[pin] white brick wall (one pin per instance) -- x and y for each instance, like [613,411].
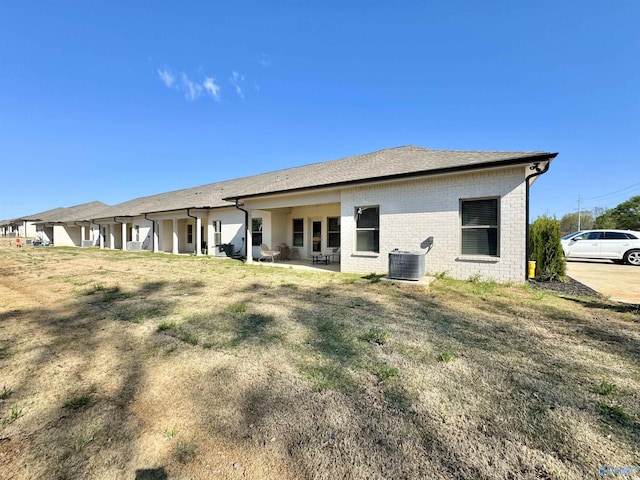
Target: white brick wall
[414,210]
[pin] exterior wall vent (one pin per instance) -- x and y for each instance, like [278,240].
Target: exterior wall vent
[406,265]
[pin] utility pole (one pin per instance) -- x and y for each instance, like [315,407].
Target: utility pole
[579,207]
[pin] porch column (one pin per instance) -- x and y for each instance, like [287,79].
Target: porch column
[154,237]
[198,237]
[112,238]
[211,248]
[123,228]
[100,238]
[249,240]
[174,247]
[82,234]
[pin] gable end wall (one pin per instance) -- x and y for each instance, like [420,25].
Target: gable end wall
[412,211]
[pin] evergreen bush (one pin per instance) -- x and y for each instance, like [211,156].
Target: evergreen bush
[546,250]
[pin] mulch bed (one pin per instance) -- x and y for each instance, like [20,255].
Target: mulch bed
[570,287]
[575,288]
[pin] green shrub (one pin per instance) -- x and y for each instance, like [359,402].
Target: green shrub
[546,250]
[448,356]
[77,402]
[376,335]
[605,388]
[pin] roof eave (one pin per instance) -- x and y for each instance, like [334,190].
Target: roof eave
[422,173]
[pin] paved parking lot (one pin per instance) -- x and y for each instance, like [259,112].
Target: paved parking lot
[620,282]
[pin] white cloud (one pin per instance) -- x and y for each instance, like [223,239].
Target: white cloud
[265,60]
[191,89]
[211,88]
[235,80]
[167,77]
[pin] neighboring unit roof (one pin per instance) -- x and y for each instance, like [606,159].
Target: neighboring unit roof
[77,213]
[39,216]
[382,165]
[204,196]
[30,218]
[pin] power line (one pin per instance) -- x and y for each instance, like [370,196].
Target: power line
[612,193]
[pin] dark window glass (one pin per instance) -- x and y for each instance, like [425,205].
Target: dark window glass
[189,233]
[479,227]
[333,232]
[298,232]
[256,231]
[368,229]
[615,236]
[368,241]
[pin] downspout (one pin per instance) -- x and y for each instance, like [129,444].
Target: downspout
[538,171]
[246,226]
[195,234]
[153,230]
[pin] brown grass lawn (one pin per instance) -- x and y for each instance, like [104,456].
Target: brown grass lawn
[133,365]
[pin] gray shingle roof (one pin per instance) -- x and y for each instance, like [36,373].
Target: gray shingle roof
[381,165]
[77,213]
[31,218]
[384,164]
[204,196]
[45,214]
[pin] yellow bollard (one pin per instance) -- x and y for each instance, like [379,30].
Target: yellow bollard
[532,268]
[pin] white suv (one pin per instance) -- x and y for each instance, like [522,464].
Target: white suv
[617,245]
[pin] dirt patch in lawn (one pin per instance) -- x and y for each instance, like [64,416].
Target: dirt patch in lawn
[119,364]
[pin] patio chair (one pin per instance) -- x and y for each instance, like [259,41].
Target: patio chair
[335,256]
[266,253]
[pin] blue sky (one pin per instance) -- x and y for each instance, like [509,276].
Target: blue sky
[113,100]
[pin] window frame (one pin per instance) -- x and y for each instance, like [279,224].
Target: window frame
[300,233]
[217,232]
[255,234]
[331,234]
[375,230]
[190,233]
[487,227]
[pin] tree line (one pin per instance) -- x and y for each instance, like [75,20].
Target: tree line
[626,216]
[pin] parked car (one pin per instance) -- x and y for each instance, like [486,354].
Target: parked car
[616,245]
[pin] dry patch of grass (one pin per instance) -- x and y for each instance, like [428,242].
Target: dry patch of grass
[120,364]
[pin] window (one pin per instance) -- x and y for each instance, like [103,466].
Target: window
[137,227]
[189,233]
[256,231]
[615,236]
[591,236]
[333,232]
[367,229]
[479,227]
[217,233]
[298,232]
